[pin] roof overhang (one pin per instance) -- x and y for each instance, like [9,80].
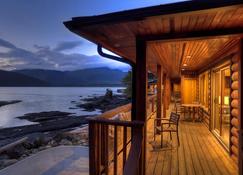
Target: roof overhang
[169,27]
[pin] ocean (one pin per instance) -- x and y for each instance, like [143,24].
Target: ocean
[40,99]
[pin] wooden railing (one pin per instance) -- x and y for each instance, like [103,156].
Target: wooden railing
[115,146]
[109,156]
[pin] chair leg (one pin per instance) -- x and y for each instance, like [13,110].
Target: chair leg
[170,136]
[178,140]
[154,134]
[161,137]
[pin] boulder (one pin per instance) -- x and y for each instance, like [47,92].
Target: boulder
[65,142]
[16,152]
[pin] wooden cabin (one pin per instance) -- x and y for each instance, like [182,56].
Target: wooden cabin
[195,49]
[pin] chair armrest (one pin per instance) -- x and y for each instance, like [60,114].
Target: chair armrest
[161,119]
[168,123]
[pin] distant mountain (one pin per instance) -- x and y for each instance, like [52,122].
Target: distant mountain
[16,79]
[84,77]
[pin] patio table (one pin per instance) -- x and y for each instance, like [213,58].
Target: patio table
[194,107]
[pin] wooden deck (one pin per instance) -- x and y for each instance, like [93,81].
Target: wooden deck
[199,153]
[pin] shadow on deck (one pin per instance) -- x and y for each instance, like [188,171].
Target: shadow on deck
[199,153]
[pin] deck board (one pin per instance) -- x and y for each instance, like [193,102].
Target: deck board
[198,154]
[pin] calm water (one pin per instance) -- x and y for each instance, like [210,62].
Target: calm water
[39,99]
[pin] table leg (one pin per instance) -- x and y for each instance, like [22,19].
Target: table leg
[194,114]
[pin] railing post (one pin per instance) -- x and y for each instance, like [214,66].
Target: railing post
[159,93]
[92,151]
[152,101]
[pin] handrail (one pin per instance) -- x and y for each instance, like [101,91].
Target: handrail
[113,112]
[122,141]
[99,135]
[134,123]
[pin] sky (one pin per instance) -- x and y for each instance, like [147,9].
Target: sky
[32,34]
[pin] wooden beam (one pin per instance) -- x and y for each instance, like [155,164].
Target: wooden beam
[194,35]
[159,93]
[139,99]
[241,107]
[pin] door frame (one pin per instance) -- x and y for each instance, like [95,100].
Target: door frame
[220,67]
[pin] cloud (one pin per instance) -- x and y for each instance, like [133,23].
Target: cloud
[67,45]
[6,44]
[43,57]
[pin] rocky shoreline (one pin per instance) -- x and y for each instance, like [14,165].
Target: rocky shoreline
[52,128]
[103,103]
[4,103]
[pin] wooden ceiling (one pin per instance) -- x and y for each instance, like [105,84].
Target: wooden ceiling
[191,55]
[119,36]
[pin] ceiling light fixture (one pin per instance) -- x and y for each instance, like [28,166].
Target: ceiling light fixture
[188,56]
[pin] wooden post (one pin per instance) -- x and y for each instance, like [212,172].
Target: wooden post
[164,96]
[159,93]
[139,96]
[140,90]
[240,107]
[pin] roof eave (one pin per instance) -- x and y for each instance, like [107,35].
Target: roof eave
[141,13]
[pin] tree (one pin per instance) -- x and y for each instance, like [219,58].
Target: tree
[127,81]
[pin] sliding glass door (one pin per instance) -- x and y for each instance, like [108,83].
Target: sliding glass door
[221,102]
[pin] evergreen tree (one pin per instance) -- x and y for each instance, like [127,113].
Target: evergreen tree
[127,81]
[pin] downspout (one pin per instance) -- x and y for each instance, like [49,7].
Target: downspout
[116,58]
[133,65]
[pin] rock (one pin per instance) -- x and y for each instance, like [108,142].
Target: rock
[65,142]
[35,140]
[58,137]
[48,146]
[109,93]
[44,116]
[34,151]
[104,103]
[41,148]
[24,155]
[72,108]
[15,152]
[52,143]
[7,162]
[4,156]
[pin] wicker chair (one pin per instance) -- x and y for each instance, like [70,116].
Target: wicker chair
[167,125]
